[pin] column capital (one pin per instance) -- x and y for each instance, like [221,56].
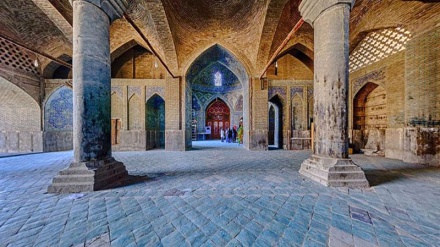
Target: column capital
[311,9]
[113,8]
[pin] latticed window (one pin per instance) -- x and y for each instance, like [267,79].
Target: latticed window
[378,45]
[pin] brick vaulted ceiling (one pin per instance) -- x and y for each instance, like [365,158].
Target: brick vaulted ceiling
[180,30]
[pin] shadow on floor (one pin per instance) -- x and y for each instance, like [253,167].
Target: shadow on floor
[379,177]
[133,180]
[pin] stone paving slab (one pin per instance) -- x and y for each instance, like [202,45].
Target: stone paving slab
[219,196]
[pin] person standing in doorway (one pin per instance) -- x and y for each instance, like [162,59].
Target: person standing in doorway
[240,135]
[222,134]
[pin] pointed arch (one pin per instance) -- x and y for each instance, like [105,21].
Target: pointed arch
[276,119]
[370,101]
[155,121]
[116,106]
[199,77]
[297,112]
[54,70]
[13,100]
[134,112]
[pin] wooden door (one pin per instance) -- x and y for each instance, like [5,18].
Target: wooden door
[217,114]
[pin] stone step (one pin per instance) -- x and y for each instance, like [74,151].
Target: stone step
[361,183]
[346,175]
[70,187]
[345,168]
[74,178]
[76,171]
[341,175]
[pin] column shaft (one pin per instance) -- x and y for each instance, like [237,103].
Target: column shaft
[91,83]
[330,164]
[92,168]
[331,82]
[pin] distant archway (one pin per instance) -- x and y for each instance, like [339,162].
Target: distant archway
[217,74]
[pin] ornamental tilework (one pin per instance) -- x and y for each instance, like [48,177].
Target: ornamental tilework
[309,93]
[195,103]
[134,90]
[277,90]
[58,111]
[239,105]
[374,75]
[150,91]
[298,90]
[117,90]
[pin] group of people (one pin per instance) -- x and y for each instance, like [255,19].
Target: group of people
[232,134]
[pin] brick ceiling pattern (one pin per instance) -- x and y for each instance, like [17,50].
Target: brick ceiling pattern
[16,57]
[181,30]
[379,45]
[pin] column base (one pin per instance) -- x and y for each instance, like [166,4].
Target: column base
[89,176]
[334,172]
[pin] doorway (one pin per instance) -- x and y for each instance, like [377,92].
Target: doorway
[217,117]
[275,133]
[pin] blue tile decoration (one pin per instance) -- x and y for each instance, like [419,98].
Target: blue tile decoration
[155,113]
[216,59]
[281,91]
[376,75]
[195,103]
[58,111]
[150,91]
[294,90]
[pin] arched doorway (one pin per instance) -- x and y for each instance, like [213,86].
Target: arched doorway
[275,139]
[155,122]
[216,74]
[217,117]
[370,118]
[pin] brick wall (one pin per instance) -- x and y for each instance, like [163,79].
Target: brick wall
[174,114]
[258,132]
[388,73]
[129,99]
[290,67]
[20,120]
[297,99]
[411,81]
[422,77]
[389,76]
[138,63]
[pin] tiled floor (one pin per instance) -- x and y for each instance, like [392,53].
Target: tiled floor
[219,195]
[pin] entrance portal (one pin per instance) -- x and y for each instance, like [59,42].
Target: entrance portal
[217,117]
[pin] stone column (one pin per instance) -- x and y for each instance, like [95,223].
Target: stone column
[330,164]
[93,167]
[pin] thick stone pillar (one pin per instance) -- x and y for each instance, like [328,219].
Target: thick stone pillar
[330,164]
[93,167]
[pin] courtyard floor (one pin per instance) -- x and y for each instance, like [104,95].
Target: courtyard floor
[219,195]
